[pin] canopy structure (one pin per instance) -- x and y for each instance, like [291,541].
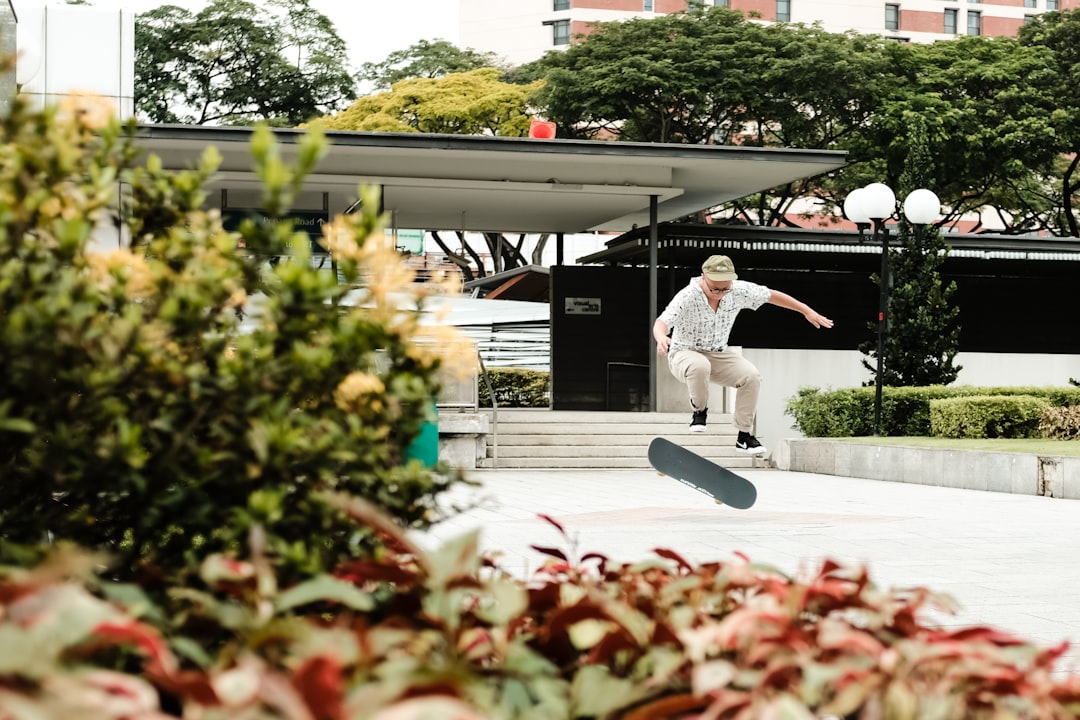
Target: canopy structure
[500,184]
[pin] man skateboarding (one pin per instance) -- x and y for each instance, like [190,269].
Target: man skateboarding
[693,331]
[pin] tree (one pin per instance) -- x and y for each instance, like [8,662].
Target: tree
[469,103]
[715,77]
[988,128]
[426,59]
[923,333]
[235,63]
[666,79]
[504,254]
[1059,33]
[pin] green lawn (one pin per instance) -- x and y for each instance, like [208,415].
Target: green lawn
[1035,447]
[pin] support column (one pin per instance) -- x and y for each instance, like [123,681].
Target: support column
[654,234]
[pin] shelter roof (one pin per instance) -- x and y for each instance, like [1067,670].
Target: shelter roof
[502,184]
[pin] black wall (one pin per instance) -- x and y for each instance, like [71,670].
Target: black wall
[601,361]
[589,353]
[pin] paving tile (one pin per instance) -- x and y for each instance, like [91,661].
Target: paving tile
[1008,560]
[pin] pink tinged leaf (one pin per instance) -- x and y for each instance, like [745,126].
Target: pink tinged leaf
[674,557]
[979,634]
[553,552]
[320,682]
[161,661]
[430,706]
[105,693]
[552,521]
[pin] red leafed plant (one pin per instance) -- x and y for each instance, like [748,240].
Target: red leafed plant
[412,634]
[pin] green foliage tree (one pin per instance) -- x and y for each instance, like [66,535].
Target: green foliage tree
[1059,33]
[469,103]
[715,76]
[712,76]
[426,59]
[235,63]
[138,416]
[923,331]
[666,79]
[988,129]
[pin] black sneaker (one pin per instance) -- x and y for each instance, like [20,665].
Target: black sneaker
[697,422]
[749,445]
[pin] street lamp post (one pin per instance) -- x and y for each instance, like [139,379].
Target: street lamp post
[874,204]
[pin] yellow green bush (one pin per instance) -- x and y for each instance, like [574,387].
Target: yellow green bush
[138,414]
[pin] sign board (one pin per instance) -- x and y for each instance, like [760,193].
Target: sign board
[582,306]
[410,241]
[307,222]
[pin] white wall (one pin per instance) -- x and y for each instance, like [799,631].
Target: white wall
[512,29]
[77,48]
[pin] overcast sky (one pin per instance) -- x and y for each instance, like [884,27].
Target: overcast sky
[372,28]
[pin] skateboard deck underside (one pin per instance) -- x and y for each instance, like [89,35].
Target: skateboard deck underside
[701,474]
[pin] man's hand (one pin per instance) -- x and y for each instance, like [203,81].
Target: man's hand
[817,319]
[661,334]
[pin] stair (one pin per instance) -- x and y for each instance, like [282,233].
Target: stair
[540,438]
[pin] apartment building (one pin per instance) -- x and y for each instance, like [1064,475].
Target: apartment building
[523,30]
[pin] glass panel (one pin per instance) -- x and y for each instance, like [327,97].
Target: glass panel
[974,22]
[561,32]
[892,17]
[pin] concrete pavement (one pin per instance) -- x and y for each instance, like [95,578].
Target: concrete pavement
[1011,561]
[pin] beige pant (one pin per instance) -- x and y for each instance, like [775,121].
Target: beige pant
[698,368]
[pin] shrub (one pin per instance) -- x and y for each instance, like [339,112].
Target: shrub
[905,411]
[442,633]
[1015,416]
[137,415]
[517,387]
[835,413]
[1060,423]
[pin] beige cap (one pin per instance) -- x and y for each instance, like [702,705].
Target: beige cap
[719,268]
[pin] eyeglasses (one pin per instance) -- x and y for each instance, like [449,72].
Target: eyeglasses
[718,290]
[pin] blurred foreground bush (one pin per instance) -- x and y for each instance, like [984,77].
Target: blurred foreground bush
[414,634]
[138,414]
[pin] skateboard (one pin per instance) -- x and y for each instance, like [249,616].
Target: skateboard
[703,475]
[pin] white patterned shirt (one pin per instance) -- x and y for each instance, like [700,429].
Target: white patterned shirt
[693,323]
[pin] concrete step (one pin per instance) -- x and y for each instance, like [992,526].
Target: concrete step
[716,438]
[608,429]
[619,462]
[540,438]
[713,452]
[541,416]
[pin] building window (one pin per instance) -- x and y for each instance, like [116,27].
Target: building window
[1029,19]
[783,10]
[560,32]
[1029,3]
[562,4]
[722,3]
[892,17]
[1051,4]
[950,21]
[646,5]
[974,22]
